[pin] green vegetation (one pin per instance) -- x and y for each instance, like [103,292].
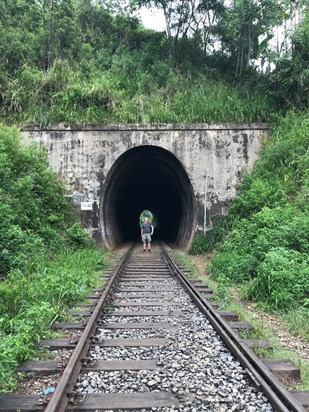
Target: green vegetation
[32,301]
[64,94]
[204,244]
[77,61]
[36,219]
[262,330]
[88,61]
[265,243]
[47,260]
[296,322]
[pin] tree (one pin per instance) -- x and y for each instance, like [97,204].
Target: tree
[244,24]
[58,33]
[289,81]
[207,18]
[185,19]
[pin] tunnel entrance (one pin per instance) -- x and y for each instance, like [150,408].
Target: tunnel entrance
[147,177]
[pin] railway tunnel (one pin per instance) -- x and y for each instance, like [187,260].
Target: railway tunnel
[147,177]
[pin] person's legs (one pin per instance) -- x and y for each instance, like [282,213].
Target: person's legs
[144,243]
[149,243]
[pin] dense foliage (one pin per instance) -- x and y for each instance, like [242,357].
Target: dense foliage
[30,301]
[78,61]
[266,239]
[36,218]
[289,82]
[38,280]
[89,61]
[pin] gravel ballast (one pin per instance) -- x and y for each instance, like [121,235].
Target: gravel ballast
[195,365]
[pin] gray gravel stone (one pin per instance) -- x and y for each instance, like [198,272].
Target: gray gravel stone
[195,366]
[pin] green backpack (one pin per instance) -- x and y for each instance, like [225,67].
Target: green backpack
[145,213]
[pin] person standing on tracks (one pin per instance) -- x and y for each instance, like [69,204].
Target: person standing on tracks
[146,233]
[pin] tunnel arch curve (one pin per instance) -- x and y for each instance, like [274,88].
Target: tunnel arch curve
[147,177]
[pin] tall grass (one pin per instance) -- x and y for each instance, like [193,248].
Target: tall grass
[64,94]
[204,244]
[42,266]
[31,302]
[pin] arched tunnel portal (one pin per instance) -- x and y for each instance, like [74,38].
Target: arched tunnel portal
[147,177]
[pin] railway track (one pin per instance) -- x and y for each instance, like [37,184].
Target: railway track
[153,342]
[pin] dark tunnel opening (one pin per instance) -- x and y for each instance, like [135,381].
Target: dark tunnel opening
[147,177]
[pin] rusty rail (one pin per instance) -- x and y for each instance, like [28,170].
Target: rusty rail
[63,395]
[262,378]
[64,398]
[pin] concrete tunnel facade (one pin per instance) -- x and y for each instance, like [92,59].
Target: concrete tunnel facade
[186,174]
[147,177]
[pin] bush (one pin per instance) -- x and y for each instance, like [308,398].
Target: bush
[282,280]
[126,91]
[203,244]
[31,302]
[78,236]
[267,243]
[249,242]
[34,211]
[256,193]
[236,267]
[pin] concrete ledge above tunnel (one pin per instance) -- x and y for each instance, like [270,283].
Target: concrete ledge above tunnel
[147,177]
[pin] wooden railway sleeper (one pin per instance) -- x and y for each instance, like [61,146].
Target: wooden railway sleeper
[254,380]
[76,398]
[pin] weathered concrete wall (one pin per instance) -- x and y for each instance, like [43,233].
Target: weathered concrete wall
[213,156]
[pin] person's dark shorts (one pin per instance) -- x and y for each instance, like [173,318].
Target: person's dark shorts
[146,237]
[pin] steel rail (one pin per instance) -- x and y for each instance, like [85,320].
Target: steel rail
[276,393]
[61,396]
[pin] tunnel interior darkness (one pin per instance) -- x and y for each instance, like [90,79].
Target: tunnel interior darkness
[147,177]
